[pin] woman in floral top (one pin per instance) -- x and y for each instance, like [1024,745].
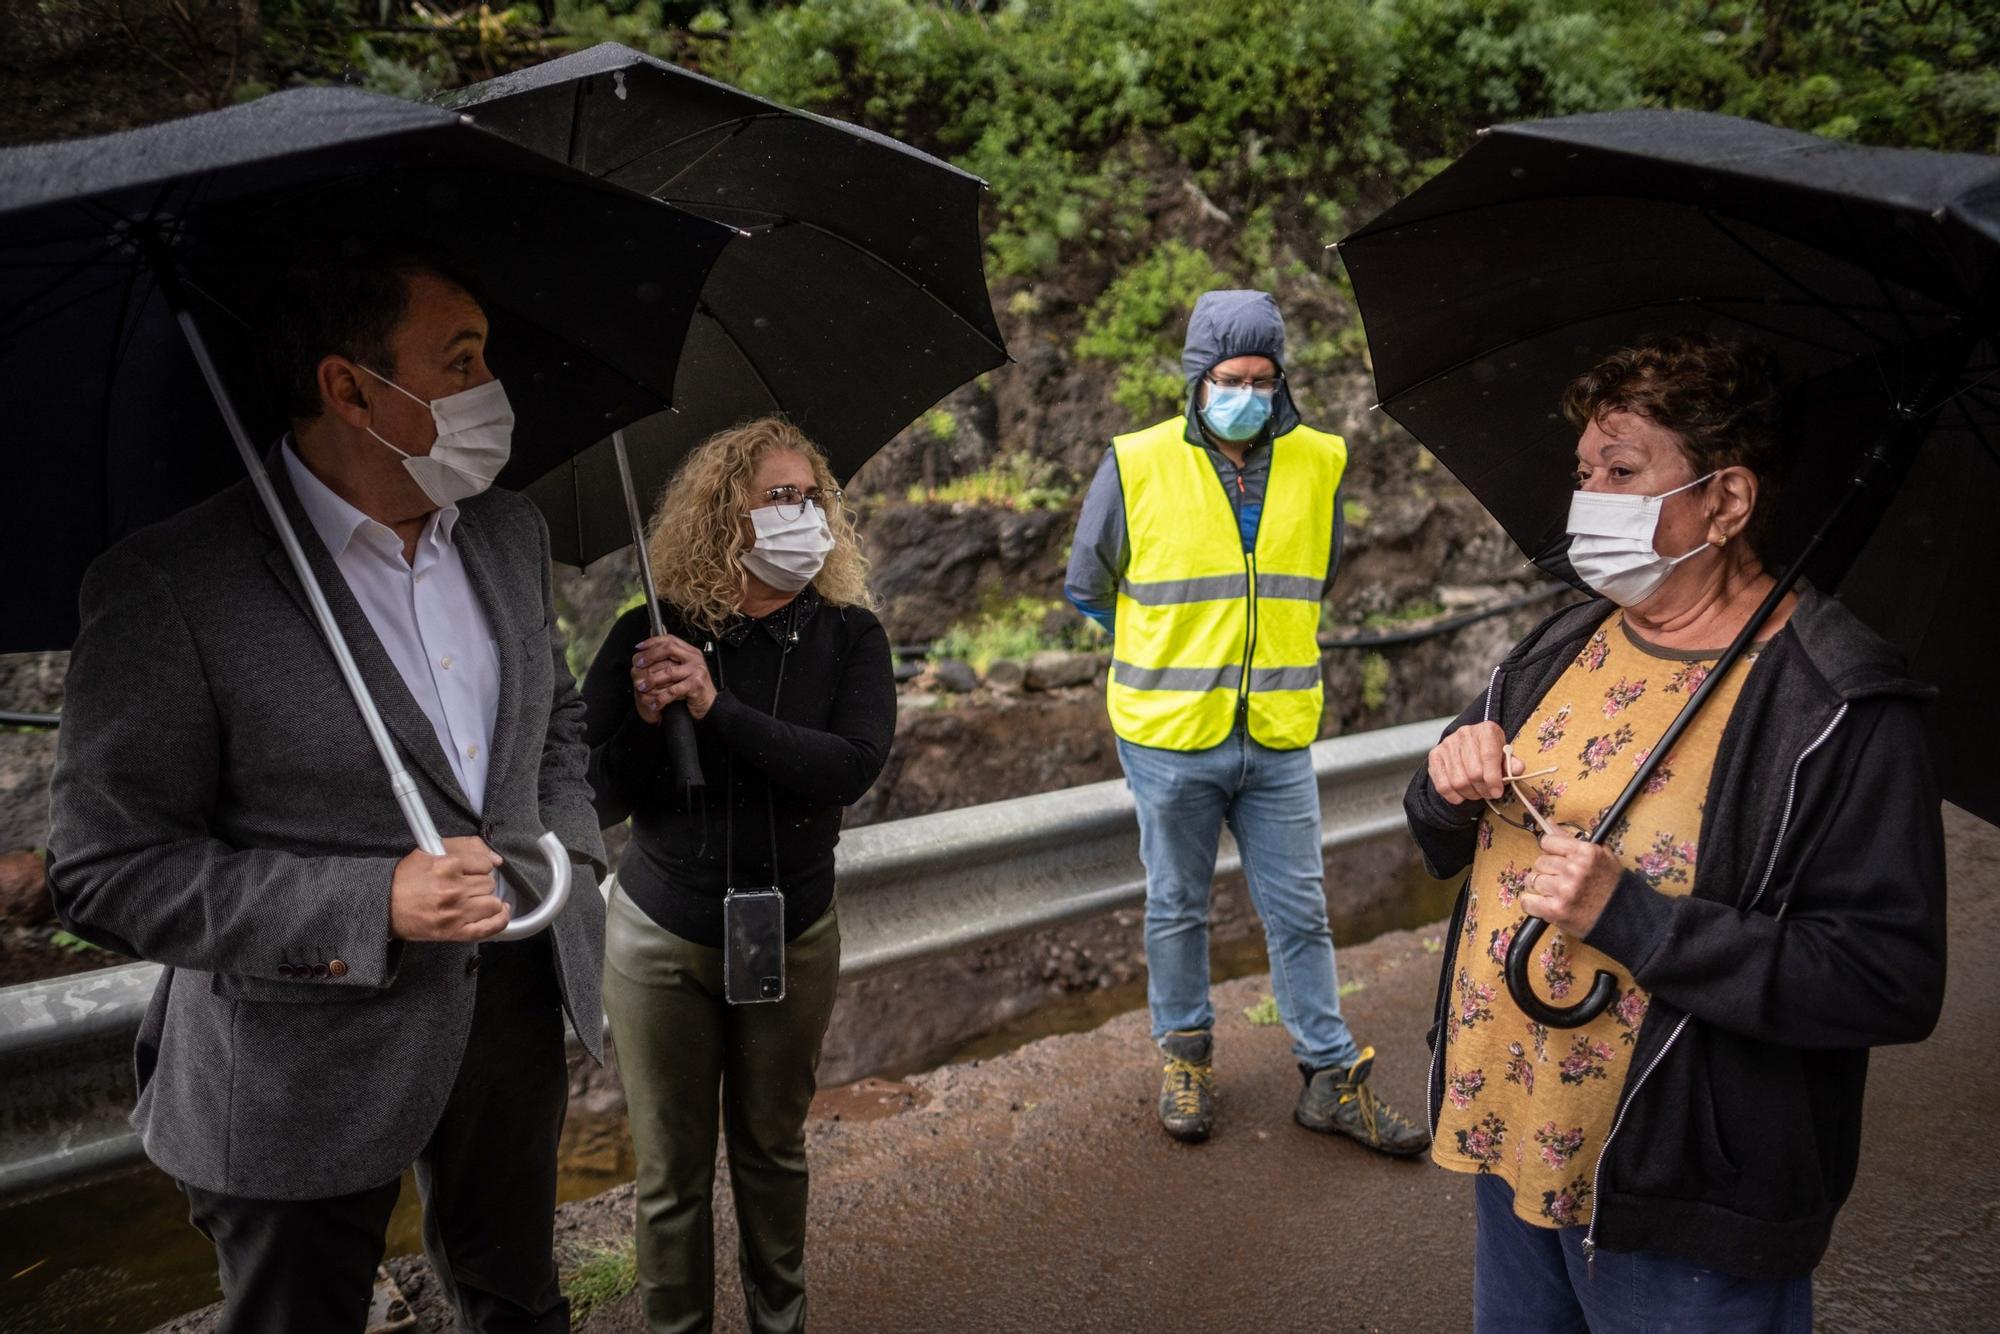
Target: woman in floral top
[1769,907]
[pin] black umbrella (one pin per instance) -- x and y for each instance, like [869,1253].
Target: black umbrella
[1872,274]
[131,269]
[859,302]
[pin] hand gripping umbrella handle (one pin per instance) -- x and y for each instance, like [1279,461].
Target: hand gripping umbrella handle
[683,759]
[1603,989]
[553,898]
[551,901]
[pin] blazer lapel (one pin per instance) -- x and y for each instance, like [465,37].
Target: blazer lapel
[471,539]
[406,720]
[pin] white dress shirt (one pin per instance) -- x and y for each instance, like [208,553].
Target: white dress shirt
[425,613]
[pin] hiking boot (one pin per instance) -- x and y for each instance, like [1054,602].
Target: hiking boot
[1339,1102]
[1187,1086]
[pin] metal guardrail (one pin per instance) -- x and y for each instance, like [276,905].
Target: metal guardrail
[909,890]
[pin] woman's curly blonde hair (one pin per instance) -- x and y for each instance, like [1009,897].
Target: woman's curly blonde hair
[697,537]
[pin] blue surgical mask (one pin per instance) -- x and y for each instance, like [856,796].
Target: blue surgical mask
[1236,413]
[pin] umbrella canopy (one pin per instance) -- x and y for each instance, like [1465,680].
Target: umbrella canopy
[859,301]
[1873,275]
[588,288]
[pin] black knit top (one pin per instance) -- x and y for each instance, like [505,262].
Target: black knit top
[821,753]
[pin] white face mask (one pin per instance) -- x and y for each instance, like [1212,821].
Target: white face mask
[1611,543]
[475,438]
[788,553]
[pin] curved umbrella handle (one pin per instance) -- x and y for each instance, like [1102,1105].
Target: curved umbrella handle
[553,898]
[1603,990]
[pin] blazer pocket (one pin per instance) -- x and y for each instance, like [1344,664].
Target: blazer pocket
[313,991]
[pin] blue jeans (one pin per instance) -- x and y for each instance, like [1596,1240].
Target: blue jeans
[1271,801]
[1533,1280]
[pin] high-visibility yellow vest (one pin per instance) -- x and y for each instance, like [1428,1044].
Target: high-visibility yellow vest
[1206,631]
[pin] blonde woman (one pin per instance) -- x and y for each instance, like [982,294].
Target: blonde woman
[773,649]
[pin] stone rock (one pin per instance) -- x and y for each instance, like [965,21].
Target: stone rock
[24,890]
[1055,669]
[955,676]
[1006,674]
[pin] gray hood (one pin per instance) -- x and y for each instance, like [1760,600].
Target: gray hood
[1236,324]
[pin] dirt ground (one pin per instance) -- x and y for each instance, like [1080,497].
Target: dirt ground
[1033,1192]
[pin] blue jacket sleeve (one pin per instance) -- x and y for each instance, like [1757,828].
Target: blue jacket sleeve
[1098,555]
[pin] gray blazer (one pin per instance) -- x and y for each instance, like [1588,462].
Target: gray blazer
[217,807]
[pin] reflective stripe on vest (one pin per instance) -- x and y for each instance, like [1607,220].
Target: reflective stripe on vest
[1194,611]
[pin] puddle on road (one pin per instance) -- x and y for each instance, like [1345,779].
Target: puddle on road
[118,1256]
[867,1100]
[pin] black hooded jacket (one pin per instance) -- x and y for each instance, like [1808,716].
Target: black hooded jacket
[1814,930]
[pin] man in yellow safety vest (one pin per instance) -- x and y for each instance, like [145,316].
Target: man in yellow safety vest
[1205,545]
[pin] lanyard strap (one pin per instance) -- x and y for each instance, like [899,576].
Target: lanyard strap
[729,765]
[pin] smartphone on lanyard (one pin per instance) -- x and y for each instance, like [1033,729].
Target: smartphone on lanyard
[753,920]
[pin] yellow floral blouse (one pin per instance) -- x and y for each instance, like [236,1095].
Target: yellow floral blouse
[1530,1104]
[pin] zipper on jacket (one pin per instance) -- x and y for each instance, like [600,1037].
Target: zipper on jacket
[1249,639]
[1770,866]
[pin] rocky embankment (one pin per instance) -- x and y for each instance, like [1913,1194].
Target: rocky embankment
[1017,725]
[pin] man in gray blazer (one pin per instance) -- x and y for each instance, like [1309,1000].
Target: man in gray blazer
[329,1015]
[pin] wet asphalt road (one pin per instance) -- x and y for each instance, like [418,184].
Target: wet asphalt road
[1035,1193]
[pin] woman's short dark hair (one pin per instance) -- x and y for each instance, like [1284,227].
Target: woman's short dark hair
[346,304]
[1720,399]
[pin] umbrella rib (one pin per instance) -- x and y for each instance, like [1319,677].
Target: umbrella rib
[937,300]
[1978,433]
[68,273]
[1909,334]
[576,499]
[732,127]
[122,335]
[1543,332]
[697,205]
[744,352]
[1784,333]
[707,153]
[15,330]
[1715,220]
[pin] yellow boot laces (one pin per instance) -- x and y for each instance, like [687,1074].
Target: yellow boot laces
[1186,1083]
[1373,1112]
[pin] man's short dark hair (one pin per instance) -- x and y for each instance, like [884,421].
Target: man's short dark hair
[347,304]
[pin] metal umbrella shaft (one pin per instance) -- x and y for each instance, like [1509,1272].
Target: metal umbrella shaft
[1877,467]
[422,828]
[682,756]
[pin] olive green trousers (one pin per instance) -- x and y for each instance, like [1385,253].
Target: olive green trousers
[679,1044]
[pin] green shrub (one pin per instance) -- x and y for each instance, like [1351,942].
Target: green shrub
[1419,609]
[1017,628]
[941,425]
[1374,682]
[1015,482]
[1138,325]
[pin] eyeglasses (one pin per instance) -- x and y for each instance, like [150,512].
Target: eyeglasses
[1263,386]
[1532,821]
[791,502]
